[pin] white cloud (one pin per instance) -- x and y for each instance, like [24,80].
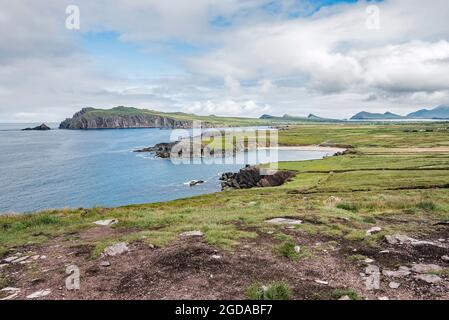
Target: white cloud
[327,63]
[228,108]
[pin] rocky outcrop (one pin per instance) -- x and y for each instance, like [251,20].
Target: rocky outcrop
[251,177]
[161,150]
[42,127]
[90,118]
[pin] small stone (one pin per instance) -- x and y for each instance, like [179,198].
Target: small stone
[445,258]
[35,257]
[252,203]
[19,260]
[11,258]
[383,298]
[105,223]
[394,285]
[442,240]
[285,221]
[10,289]
[297,249]
[116,249]
[216,257]
[425,268]
[2,265]
[345,298]
[43,257]
[429,278]
[195,233]
[322,282]
[368,261]
[384,251]
[373,230]
[39,294]
[105,264]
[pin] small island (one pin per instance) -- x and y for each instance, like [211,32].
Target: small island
[42,127]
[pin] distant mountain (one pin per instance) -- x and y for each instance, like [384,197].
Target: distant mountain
[441,112]
[290,118]
[376,116]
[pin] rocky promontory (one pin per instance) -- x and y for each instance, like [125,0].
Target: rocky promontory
[252,177]
[123,117]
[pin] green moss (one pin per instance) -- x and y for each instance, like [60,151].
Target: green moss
[339,293]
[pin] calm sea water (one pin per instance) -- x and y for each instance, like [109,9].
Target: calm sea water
[76,168]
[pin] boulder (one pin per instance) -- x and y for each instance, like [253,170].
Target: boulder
[105,223]
[116,249]
[426,268]
[195,233]
[39,294]
[429,278]
[288,221]
[373,230]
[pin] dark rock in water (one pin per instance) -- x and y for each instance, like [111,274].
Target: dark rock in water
[161,150]
[195,182]
[250,177]
[42,127]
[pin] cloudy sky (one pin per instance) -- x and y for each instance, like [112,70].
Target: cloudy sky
[225,57]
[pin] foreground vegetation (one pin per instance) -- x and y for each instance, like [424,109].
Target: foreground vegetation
[395,177]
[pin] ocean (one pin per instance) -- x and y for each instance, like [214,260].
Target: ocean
[87,168]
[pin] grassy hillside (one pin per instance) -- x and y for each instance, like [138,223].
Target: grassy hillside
[219,121]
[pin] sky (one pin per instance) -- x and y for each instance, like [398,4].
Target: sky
[332,58]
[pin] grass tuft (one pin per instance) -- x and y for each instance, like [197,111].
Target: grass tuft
[274,291]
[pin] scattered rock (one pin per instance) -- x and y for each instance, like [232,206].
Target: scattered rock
[394,285]
[105,264]
[426,268]
[401,272]
[402,239]
[373,230]
[105,223]
[445,258]
[429,278]
[116,249]
[322,282]
[39,294]
[195,233]
[289,221]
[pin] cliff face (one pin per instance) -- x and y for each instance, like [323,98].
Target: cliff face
[87,118]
